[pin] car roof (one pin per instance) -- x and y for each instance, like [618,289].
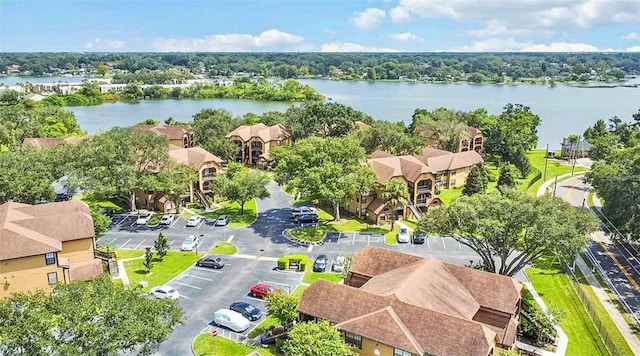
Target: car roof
[240,304]
[222,216]
[261,285]
[166,288]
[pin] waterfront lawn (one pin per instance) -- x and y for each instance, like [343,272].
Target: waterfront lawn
[224,248]
[554,287]
[174,263]
[233,211]
[555,167]
[205,345]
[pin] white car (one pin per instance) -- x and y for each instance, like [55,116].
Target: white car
[143,219]
[167,219]
[194,220]
[165,292]
[403,235]
[338,264]
[190,243]
[232,320]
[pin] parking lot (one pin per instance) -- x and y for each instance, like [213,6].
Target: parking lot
[126,234]
[204,290]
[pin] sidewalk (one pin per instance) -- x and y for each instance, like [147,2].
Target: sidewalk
[613,312]
[563,340]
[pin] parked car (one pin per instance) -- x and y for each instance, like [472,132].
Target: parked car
[143,219]
[211,262]
[222,220]
[107,211]
[231,320]
[403,235]
[167,219]
[165,292]
[306,219]
[43,201]
[417,239]
[194,220]
[320,265]
[190,243]
[247,310]
[338,264]
[62,197]
[261,290]
[303,210]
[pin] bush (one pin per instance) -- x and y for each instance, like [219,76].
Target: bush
[303,266]
[282,264]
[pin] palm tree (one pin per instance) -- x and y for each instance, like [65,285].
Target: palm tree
[573,153]
[395,194]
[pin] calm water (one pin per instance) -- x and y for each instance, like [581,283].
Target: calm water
[564,110]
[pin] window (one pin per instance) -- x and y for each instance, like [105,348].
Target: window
[400,352]
[364,199]
[352,339]
[53,277]
[453,172]
[50,258]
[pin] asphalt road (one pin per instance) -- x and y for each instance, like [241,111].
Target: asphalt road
[620,261]
[259,245]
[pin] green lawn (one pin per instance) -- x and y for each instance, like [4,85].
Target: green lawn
[204,344]
[90,199]
[310,234]
[124,254]
[224,248]
[261,328]
[155,220]
[555,289]
[391,237]
[555,168]
[311,277]
[174,263]
[345,225]
[299,290]
[410,223]
[238,218]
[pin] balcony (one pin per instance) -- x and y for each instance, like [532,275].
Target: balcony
[423,189]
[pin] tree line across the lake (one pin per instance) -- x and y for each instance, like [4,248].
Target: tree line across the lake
[169,68]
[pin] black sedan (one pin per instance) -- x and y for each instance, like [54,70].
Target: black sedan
[418,239]
[211,262]
[247,310]
[320,265]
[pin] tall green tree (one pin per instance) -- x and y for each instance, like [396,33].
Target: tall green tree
[320,169]
[27,174]
[174,179]
[324,119]
[86,318]
[101,222]
[365,182]
[512,228]
[388,137]
[445,126]
[113,164]
[283,307]
[506,177]
[148,259]
[477,180]
[161,245]
[210,127]
[242,185]
[395,195]
[315,339]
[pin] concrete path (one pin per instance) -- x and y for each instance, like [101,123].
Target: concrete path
[548,185]
[563,340]
[613,312]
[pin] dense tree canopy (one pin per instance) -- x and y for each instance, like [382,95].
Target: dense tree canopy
[240,184]
[27,174]
[512,228]
[388,137]
[210,127]
[324,119]
[315,339]
[97,318]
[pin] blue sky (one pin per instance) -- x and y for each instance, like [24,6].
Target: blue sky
[321,25]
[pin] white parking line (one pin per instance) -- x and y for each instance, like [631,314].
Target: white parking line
[368,239]
[125,243]
[133,223]
[338,240]
[353,241]
[184,296]
[198,277]
[186,285]
[254,298]
[230,238]
[207,329]
[428,245]
[141,242]
[174,222]
[112,241]
[211,269]
[199,225]
[443,245]
[459,244]
[310,248]
[171,242]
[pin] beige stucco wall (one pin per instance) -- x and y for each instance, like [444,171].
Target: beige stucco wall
[26,274]
[78,250]
[368,347]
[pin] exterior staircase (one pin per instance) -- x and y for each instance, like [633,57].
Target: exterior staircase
[416,212]
[203,199]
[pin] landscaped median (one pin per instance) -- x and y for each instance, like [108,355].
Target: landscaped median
[224,248]
[174,263]
[233,210]
[206,345]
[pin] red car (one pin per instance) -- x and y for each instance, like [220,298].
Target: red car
[261,290]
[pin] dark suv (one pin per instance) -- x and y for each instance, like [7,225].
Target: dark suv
[417,239]
[320,265]
[306,219]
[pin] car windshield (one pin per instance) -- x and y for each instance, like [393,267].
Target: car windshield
[249,308]
[171,291]
[188,241]
[403,231]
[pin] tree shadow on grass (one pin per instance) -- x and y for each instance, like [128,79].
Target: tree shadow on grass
[141,271]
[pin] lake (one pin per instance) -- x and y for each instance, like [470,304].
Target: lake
[564,110]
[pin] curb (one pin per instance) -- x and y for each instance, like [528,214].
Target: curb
[287,235]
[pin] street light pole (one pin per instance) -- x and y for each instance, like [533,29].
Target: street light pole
[546,160]
[555,185]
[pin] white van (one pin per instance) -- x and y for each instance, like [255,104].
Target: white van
[232,320]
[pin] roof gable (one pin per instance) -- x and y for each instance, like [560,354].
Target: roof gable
[261,131]
[193,157]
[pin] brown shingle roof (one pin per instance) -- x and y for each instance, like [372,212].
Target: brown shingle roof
[193,157]
[405,166]
[440,160]
[29,230]
[41,142]
[260,130]
[392,322]
[173,132]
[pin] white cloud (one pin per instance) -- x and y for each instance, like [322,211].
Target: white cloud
[352,47]
[406,36]
[368,19]
[527,14]
[633,49]
[511,45]
[99,43]
[399,14]
[267,40]
[633,36]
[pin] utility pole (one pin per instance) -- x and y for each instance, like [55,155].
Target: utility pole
[555,185]
[546,160]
